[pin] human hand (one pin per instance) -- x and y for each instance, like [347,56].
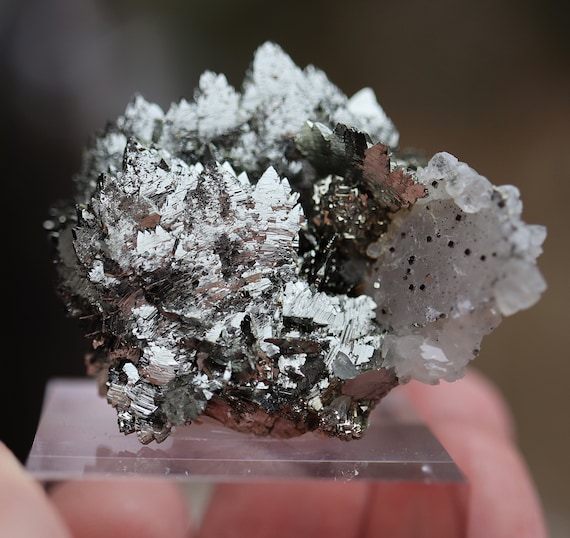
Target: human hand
[471,421]
[468,417]
[89,509]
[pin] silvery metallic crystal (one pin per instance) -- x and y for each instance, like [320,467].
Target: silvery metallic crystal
[268,257]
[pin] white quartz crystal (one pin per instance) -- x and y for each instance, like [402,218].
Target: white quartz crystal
[449,267]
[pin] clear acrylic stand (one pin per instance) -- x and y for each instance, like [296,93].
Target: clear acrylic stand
[78,438]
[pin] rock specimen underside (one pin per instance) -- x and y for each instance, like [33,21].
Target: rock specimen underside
[268,257]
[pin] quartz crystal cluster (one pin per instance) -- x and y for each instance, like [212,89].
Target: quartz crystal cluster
[269,258]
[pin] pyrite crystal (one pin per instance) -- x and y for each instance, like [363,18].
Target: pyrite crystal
[270,259]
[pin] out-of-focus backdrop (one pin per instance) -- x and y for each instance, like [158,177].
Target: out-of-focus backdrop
[488,81]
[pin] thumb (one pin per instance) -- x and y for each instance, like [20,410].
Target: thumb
[21,496]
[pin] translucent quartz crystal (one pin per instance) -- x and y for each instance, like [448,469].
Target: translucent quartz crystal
[449,267]
[268,258]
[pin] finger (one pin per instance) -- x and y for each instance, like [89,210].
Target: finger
[503,500]
[115,509]
[279,510]
[473,399]
[24,508]
[415,509]
[474,425]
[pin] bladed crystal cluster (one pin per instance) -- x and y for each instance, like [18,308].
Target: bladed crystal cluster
[269,258]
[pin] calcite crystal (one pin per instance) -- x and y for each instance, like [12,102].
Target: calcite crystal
[268,257]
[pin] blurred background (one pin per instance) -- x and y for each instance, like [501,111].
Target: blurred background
[488,81]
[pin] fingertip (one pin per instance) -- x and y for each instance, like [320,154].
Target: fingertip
[503,499]
[474,424]
[114,509]
[21,496]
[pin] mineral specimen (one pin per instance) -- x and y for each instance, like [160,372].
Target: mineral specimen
[271,259]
